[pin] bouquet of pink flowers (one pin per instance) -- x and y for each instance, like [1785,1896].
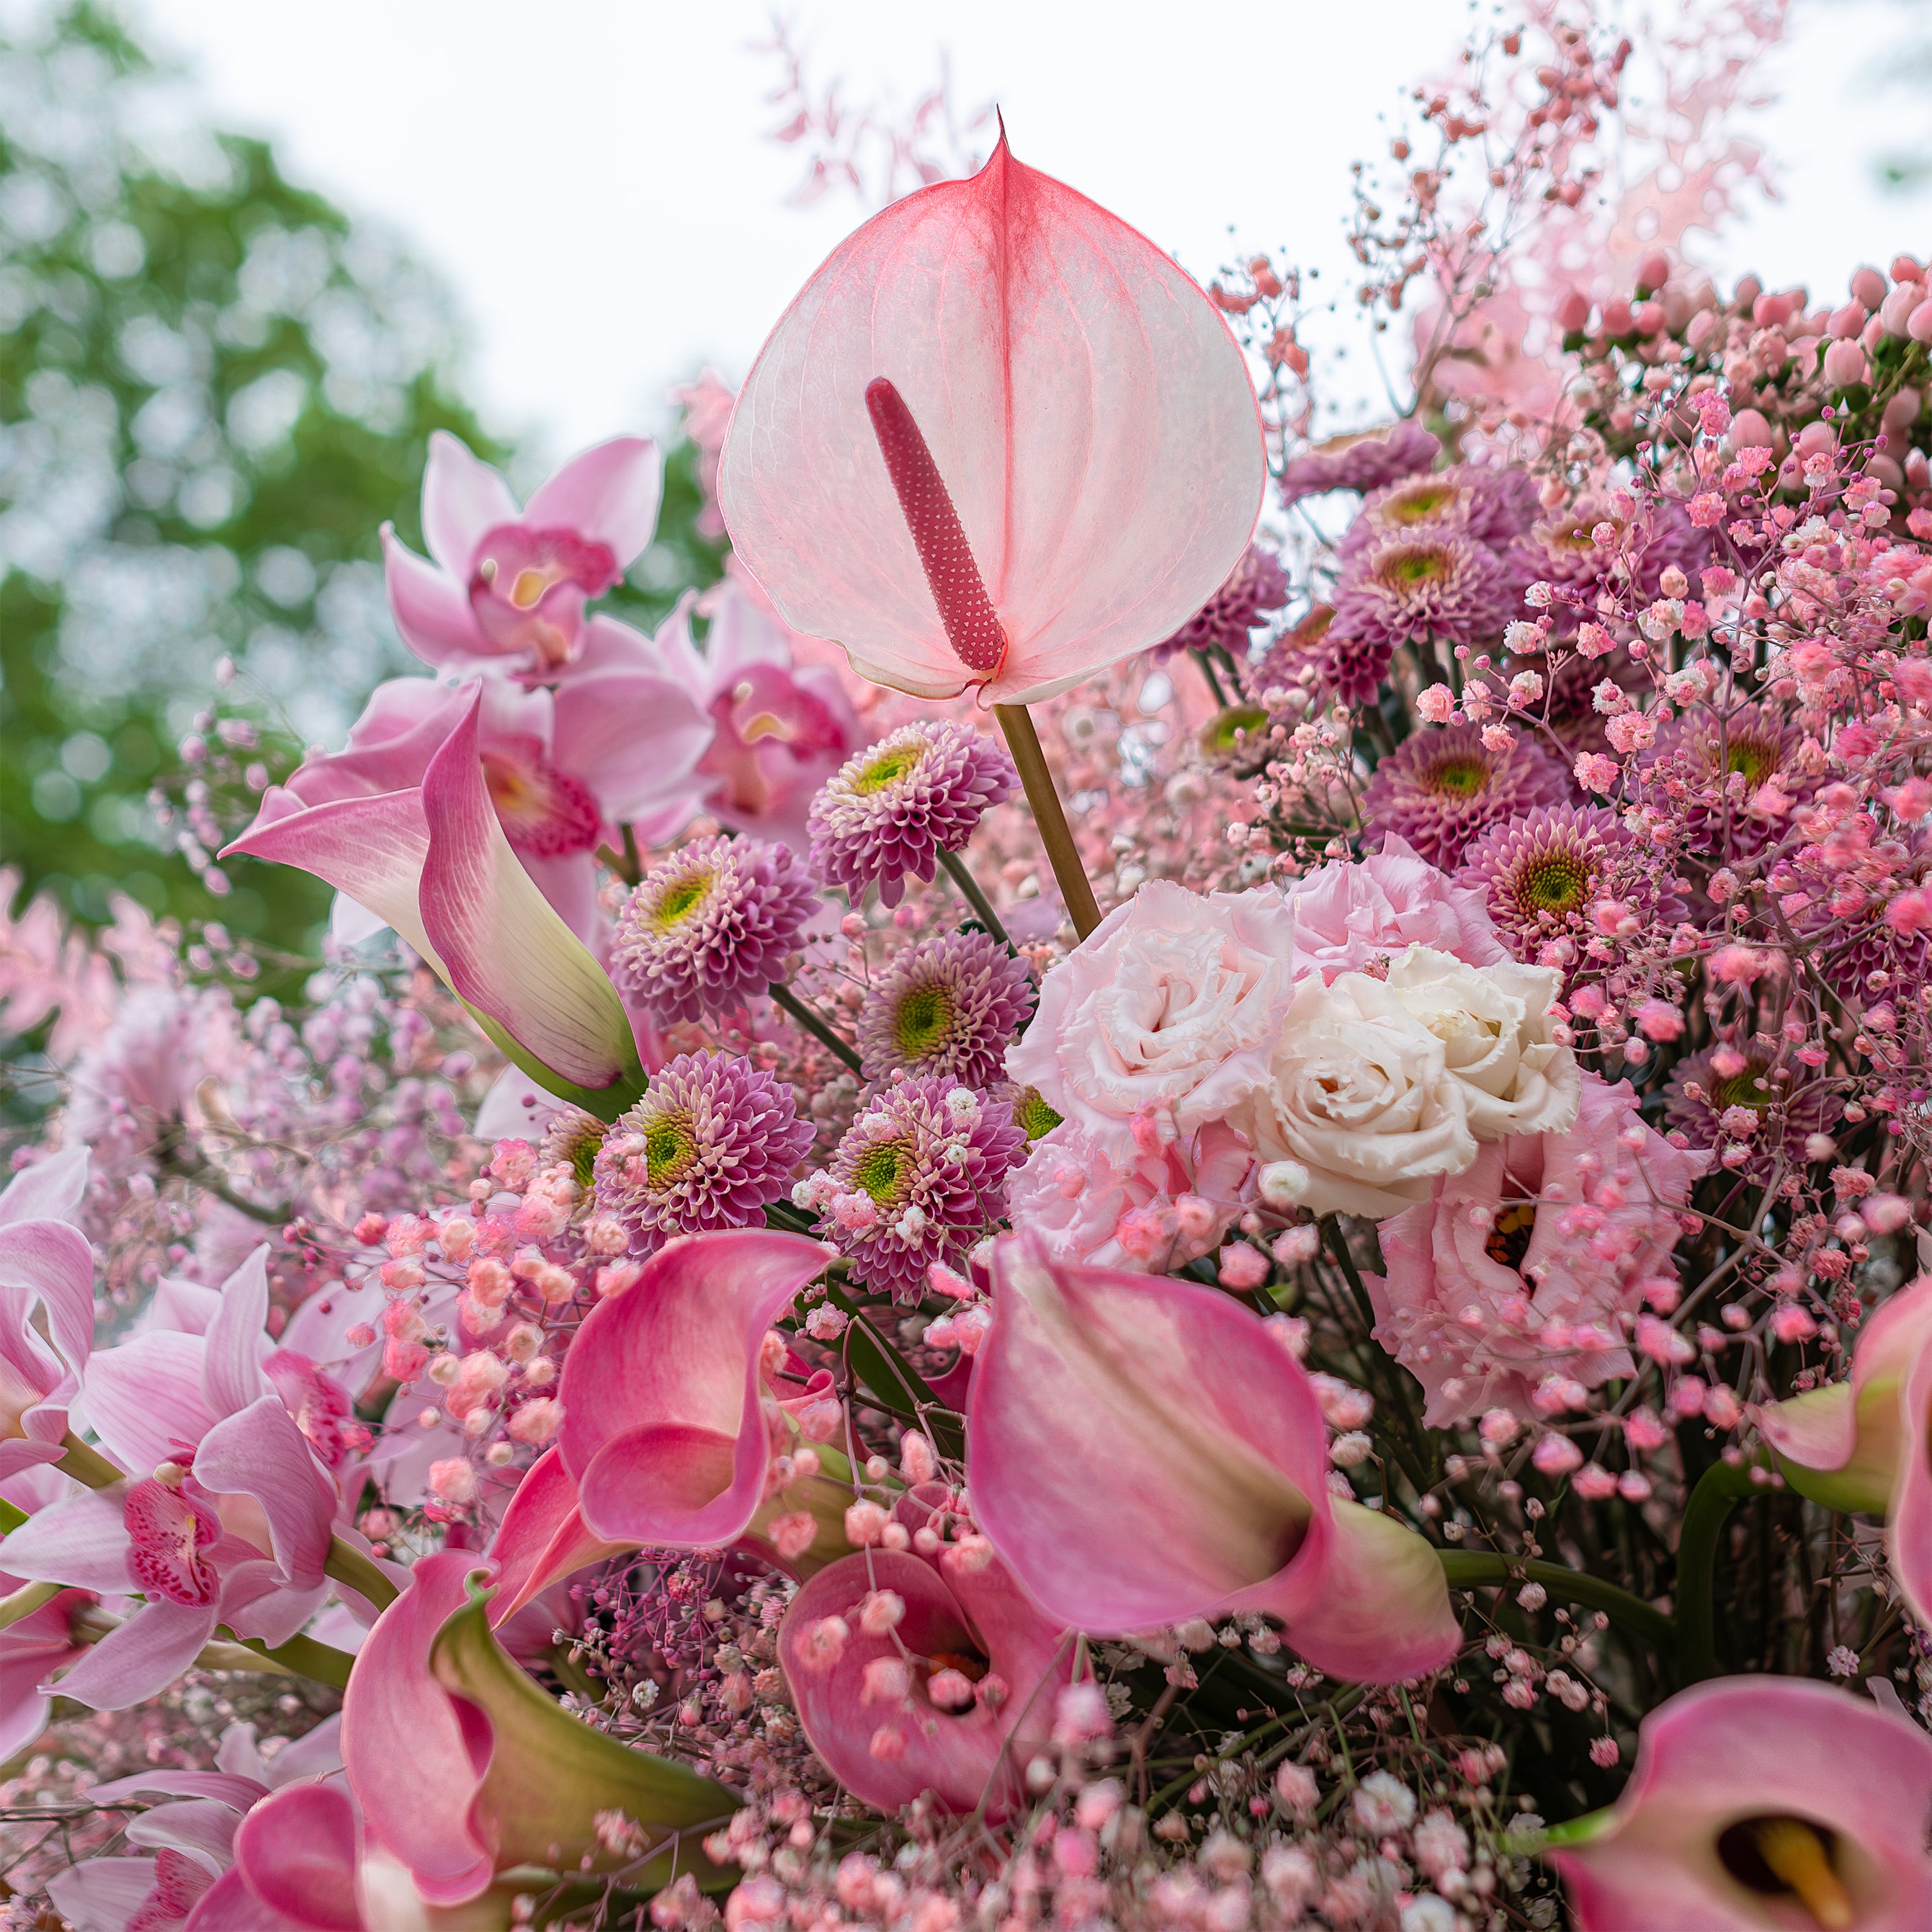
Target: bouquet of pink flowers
[1174,1178]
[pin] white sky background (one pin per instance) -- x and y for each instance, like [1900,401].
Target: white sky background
[593,177]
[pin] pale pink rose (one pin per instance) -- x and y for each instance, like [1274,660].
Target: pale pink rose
[1155,1213]
[1514,1275]
[1152,1006]
[1347,915]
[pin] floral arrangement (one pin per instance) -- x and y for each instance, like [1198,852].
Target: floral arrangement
[1221,1226]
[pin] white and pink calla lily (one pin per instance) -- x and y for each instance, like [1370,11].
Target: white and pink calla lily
[431,860]
[999,440]
[1141,1450]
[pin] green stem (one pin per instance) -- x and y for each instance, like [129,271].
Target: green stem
[88,1465]
[1480,1569]
[26,1600]
[1338,1246]
[1049,817]
[322,1662]
[784,998]
[1213,681]
[969,889]
[347,1565]
[1721,1487]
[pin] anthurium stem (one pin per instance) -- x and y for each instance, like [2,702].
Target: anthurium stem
[1719,1489]
[1050,816]
[969,890]
[1478,1569]
[786,1001]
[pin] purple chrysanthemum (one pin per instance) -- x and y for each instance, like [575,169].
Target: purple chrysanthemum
[571,1140]
[1840,915]
[1541,874]
[1439,789]
[1445,586]
[1748,1105]
[1350,670]
[889,811]
[719,919]
[711,1144]
[920,1176]
[1564,551]
[949,1006]
[1367,460]
[1494,507]
[1707,770]
[1256,586]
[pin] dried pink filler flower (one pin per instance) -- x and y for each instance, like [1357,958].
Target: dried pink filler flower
[948,1006]
[711,1144]
[921,1174]
[1434,587]
[1440,789]
[1257,586]
[1732,780]
[718,922]
[1749,1104]
[887,812]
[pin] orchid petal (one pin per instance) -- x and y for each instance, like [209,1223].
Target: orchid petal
[236,1340]
[1086,409]
[297,1852]
[82,1541]
[50,1190]
[101,1894]
[142,1657]
[663,1427]
[608,495]
[634,738]
[144,1399]
[259,1452]
[505,951]
[431,608]
[198,1825]
[463,499]
[227,1788]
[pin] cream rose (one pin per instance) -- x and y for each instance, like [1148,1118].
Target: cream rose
[1496,1033]
[1359,1092]
[1146,1015]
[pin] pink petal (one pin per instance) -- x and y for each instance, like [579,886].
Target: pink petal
[410,1763]
[198,1825]
[463,499]
[102,1894]
[635,739]
[237,1340]
[664,1424]
[609,495]
[144,1399]
[1909,1522]
[297,1853]
[390,746]
[259,1452]
[50,1190]
[1088,412]
[567,881]
[431,608]
[142,1658]
[542,1538]
[238,1793]
[81,1540]
[47,1272]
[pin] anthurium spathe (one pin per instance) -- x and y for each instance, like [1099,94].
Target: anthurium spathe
[431,860]
[1141,1450]
[464,1768]
[999,440]
[1866,1445]
[1760,1803]
[509,586]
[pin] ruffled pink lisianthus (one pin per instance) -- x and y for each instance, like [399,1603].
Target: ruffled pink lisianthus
[1349,914]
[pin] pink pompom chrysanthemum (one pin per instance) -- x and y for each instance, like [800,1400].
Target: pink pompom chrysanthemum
[1435,587]
[949,1005]
[1441,788]
[1256,587]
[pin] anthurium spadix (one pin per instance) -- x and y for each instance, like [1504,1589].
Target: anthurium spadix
[433,861]
[999,440]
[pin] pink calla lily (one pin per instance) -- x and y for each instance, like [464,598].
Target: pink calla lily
[431,860]
[1757,1803]
[671,1435]
[46,1309]
[1141,1450]
[1866,1445]
[947,1700]
[999,440]
[507,585]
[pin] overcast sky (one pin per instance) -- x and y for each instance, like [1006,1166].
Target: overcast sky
[592,176]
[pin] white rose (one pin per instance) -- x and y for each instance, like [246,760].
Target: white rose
[1358,1091]
[1495,1026]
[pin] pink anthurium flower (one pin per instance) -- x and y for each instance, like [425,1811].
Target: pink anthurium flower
[1760,1803]
[233,1525]
[1866,1445]
[672,1434]
[563,769]
[509,585]
[431,860]
[464,1768]
[46,1308]
[943,1693]
[1141,1450]
[999,440]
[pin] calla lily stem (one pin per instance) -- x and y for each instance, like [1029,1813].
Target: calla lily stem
[1050,816]
[1719,1489]
[969,890]
[786,1001]
[1479,1569]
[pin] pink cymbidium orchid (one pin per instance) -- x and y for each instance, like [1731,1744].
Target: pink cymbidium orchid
[46,1308]
[432,860]
[1141,1451]
[1866,1445]
[1756,1803]
[946,1694]
[507,586]
[998,440]
[563,769]
[226,1516]
[672,1436]
[464,1768]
